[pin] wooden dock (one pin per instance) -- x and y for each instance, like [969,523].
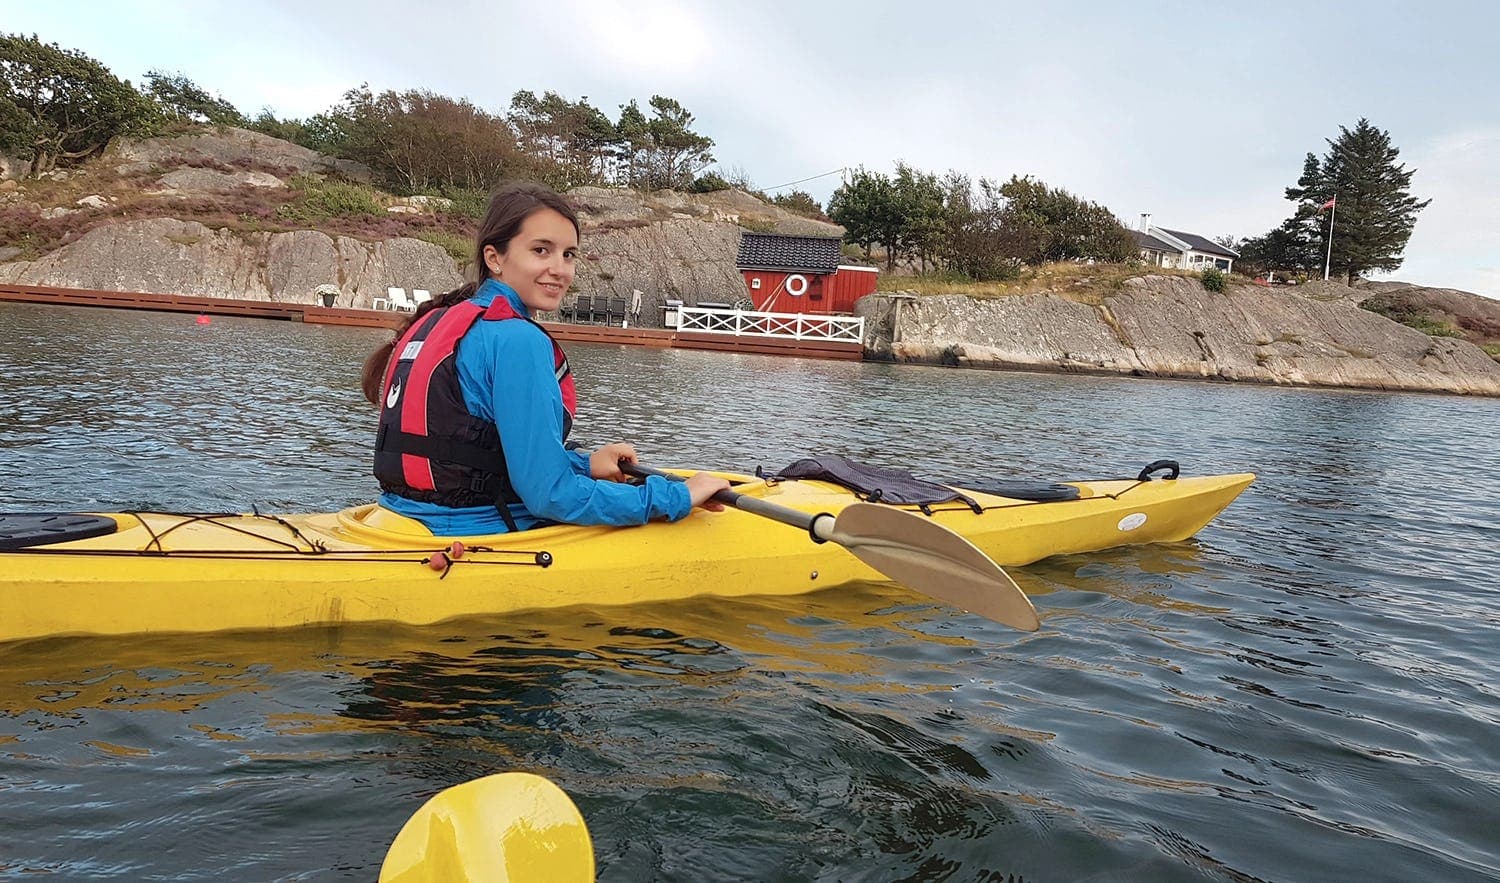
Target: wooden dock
[300,312]
[208,306]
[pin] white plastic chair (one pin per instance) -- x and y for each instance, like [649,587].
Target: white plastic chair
[420,296]
[399,300]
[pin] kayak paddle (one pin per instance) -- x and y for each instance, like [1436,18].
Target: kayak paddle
[515,827]
[913,550]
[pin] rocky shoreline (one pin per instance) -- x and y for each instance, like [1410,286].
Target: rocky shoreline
[683,246]
[1171,327]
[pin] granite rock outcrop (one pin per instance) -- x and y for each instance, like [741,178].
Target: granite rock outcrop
[164,255]
[1167,326]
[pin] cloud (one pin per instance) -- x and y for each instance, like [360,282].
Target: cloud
[640,40]
[1456,242]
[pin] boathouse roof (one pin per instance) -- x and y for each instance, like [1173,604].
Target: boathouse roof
[790,254]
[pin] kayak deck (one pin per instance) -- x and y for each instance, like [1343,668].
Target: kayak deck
[196,572]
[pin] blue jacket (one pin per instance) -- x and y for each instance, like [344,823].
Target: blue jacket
[505,371]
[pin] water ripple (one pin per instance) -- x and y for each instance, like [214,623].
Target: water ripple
[1307,691]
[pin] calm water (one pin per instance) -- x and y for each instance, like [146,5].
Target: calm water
[1305,692]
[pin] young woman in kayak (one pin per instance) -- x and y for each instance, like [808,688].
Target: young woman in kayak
[477,399]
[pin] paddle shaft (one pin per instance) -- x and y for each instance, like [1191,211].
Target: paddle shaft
[819,526]
[909,549]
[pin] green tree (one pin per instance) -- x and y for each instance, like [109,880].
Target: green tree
[574,136]
[681,152]
[921,203]
[633,144]
[182,99]
[1375,209]
[61,106]
[866,207]
[1288,249]
[293,130]
[978,244]
[1051,224]
[418,141]
[663,151]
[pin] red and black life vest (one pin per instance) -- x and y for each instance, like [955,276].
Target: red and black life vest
[429,447]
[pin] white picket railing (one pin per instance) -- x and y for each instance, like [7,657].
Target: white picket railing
[794,326]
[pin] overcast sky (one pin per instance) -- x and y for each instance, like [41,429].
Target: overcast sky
[1197,112]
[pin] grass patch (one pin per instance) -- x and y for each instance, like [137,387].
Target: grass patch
[1431,327]
[468,203]
[1084,283]
[1426,324]
[617,224]
[1493,349]
[460,248]
[320,199]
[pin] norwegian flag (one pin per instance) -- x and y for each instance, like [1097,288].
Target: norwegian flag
[1328,204]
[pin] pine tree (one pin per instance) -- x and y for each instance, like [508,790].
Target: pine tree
[1375,209]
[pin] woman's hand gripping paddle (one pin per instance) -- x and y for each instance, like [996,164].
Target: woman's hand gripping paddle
[911,549]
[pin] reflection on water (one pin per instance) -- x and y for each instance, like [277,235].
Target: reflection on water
[1304,692]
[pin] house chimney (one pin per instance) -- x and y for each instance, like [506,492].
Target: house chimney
[1145,222]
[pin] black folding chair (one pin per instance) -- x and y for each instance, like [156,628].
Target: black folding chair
[584,308]
[616,310]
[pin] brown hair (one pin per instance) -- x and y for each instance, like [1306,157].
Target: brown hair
[509,209]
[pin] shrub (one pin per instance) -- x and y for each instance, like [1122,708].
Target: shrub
[709,183]
[330,199]
[217,209]
[1383,306]
[1214,279]
[1429,326]
[469,202]
[802,203]
[460,247]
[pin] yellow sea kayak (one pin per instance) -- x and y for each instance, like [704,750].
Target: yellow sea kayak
[164,572]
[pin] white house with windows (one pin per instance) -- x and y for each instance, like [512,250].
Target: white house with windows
[1161,247]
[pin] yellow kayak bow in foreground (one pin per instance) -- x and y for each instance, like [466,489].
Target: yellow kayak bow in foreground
[505,828]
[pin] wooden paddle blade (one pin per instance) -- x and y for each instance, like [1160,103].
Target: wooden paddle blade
[514,827]
[923,555]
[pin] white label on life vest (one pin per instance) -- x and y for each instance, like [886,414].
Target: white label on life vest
[1132,521]
[411,350]
[394,396]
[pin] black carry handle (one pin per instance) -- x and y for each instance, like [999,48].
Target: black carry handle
[1156,466]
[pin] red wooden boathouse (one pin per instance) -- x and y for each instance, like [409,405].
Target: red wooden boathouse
[800,274]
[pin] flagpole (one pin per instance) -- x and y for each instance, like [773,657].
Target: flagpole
[1328,261]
